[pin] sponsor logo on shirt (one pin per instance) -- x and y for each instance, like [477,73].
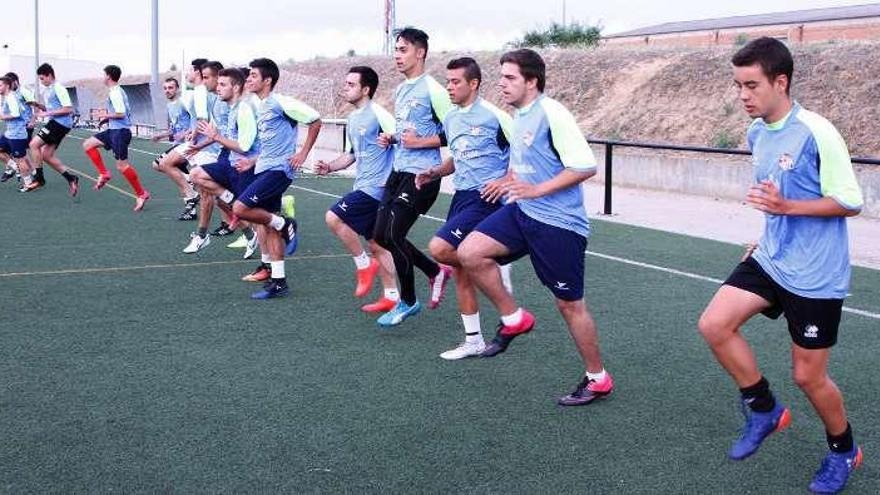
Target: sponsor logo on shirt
[362,130]
[522,168]
[786,162]
[476,131]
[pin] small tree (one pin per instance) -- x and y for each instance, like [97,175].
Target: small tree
[173,68]
[561,36]
[350,52]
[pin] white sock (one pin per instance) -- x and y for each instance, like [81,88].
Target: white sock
[12,164]
[392,294]
[513,318]
[277,222]
[362,261]
[277,269]
[26,179]
[505,278]
[472,328]
[226,196]
[596,376]
[265,258]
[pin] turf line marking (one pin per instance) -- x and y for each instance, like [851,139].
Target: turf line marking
[78,271]
[129,149]
[640,264]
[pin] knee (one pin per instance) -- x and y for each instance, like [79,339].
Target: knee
[569,307]
[331,219]
[239,208]
[807,378]
[712,328]
[441,250]
[87,145]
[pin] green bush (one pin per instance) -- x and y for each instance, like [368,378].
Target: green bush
[561,36]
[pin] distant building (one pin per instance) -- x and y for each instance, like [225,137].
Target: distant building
[860,22]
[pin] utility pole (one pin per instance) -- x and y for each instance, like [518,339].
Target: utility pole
[563,14]
[390,26]
[36,44]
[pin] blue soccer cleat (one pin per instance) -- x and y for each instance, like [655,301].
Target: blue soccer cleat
[290,238]
[271,290]
[758,427]
[834,471]
[399,313]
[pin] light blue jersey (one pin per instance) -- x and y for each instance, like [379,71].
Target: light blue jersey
[546,141]
[277,120]
[420,105]
[178,119]
[25,97]
[219,116]
[16,127]
[57,97]
[242,127]
[373,161]
[807,159]
[479,141]
[117,102]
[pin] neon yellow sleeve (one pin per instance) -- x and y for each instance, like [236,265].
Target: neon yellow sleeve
[247,127]
[567,137]
[440,101]
[504,119]
[62,94]
[12,103]
[836,176]
[386,120]
[27,94]
[297,110]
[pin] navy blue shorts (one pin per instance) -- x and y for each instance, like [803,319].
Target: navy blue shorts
[17,148]
[466,211]
[358,210]
[557,254]
[116,140]
[224,174]
[265,191]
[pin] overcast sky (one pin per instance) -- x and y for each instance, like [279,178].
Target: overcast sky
[117,31]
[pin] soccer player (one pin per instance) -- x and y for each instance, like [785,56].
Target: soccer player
[277,123]
[115,138]
[234,169]
[178,122]
[14,143]
[806,187]
[59,109]
[420,105]
[198,103]
[355,214]
[478,134]
[544,218]
[26,102]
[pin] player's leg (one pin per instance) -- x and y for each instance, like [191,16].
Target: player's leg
[91,147]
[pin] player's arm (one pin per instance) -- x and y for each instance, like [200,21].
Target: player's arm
[117,106]
[301,112]
[341,162]
[64,98]
[447,167]
[14,110]
[841,194]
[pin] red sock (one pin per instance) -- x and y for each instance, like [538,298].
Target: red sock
[95,156]
[131,176]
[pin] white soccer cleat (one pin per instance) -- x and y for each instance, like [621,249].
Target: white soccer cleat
[197,243]
[251,247]
[464,350]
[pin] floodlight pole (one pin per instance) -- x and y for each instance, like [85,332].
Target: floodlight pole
[36,44]
[155,96]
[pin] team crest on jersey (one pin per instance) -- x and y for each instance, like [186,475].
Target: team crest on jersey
[362,130]
[528,138]
[786,162]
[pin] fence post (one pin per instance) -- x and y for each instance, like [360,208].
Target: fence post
[609,158]
[344,130]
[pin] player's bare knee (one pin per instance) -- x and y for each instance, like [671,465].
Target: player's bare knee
[441,250]
[331,220]
[806,377]
[712,328]
[239,208]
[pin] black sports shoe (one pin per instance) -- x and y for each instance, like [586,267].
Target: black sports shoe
[190,209]
[8,174]
[498,344]
[222,230]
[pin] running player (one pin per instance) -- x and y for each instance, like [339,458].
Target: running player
[13,143]
[277,123]
[178,123]
[27,104]
[59,109]
[478,134]
[355,214]
[806,187]
[115,138]
[544,218]
[420,105]
[233,171]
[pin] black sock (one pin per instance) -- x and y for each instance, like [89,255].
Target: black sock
[202,232]
[841,443]
[758,396]
[69,177]
[38,174]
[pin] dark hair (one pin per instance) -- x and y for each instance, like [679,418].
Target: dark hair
[45,70]
[531,65]
[6,79]
[198,63]
[171,79]
[471,68]
[368,77]
[245,72]
[771,54]
[413,36]
[114,72]
[213,65]
[14,77]
[267,68]
[234,74]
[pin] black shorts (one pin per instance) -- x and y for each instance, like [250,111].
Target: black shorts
[52,133]
[400,190]
[812,323]
[116,140]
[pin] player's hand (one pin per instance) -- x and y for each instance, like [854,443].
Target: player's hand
[297,160]
[409,139]
[322,167]
[750,248]
[517,189]
[243,164]
[207,129]
[385,139]
[425,177]
[493,191]
[765,196]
